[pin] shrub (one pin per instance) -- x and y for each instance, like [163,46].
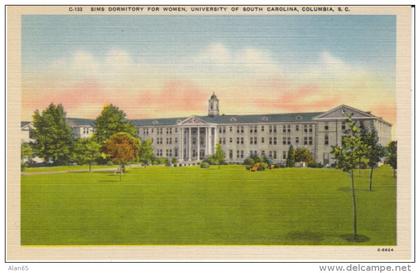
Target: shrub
[314,164]
[204,165]
[249,161]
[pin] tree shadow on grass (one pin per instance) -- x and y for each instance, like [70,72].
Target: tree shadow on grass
[305,236]
[348,189]
[359,238]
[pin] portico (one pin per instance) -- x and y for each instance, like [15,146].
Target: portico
[198,139]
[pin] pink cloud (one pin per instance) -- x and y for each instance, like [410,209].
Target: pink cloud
[387,112]
[87,98]
[306,98]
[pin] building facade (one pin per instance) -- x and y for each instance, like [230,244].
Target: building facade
[192,139]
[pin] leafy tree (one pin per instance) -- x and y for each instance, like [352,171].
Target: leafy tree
[303,155]
[391,158]
[52,135]
[347,156]
[122,148]
[374,151]
[86,151]
[112,120]
[219,155]
[146,155]
[290,157]
[174,161]
[26,154]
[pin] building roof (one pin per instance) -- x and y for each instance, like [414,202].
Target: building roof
[80,122]
[231,119]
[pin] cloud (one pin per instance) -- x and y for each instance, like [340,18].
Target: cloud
[217,58]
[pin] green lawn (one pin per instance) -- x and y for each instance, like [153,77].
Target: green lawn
[67,168]
[189,205]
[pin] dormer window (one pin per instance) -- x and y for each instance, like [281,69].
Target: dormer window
[155,122]
[298,117]
[264,118]
[233,119]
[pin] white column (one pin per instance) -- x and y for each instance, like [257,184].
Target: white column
[181,145]
[198,143]
[189,144]
[206,150]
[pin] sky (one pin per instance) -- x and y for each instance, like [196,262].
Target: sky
[168,66]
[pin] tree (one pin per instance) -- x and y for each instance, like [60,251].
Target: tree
[86,151]
[122,148]
[146,155]
[290,157]
[112,120]
[52,136]
[391,158]
[219,155]
[303,155]
[374,151]
[347,156]
[26,154]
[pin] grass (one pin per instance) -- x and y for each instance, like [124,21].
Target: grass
[67,168]
[190,205]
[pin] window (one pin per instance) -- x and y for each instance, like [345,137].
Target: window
[326,127]
[270,129]
[237,140]
[305,128]
[255,140]
[326,140]
[288,140]
[224,140]
[230,154]
[297,140]
[284,154]
[250,129]
[242,153]
[343,125]
[270,140]
[262,140]
[230,140]
[270,154]
[242,129]
[275,154]
[310,140]
[230,129]
[237,129]
[305,141]
[237,153]
[242,140]
[288,128]
[262,128]
[220,140]
[176,140]
[297,127]
[310,128]
[274,128]
[224,129]
[262,153]
[284,128]
[284,140]
[251,140]
[275,140]
[220,130]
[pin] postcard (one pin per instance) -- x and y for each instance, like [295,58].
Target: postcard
[209,133]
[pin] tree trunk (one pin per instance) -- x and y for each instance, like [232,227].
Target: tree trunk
[354,206]
[370,179]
